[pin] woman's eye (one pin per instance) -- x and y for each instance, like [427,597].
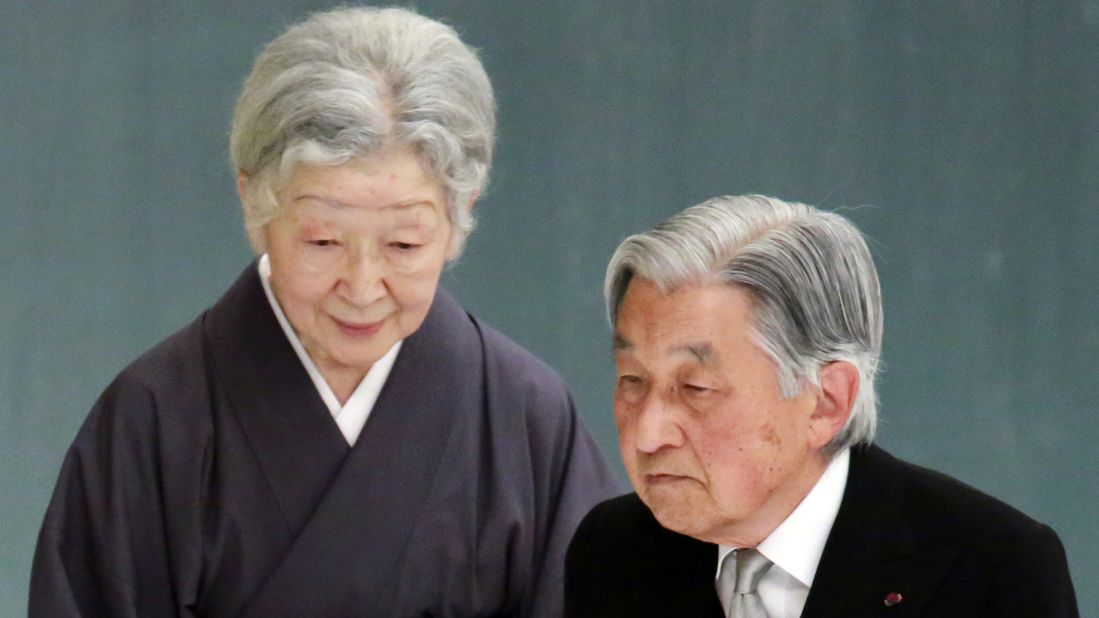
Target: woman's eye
[323,242]
[403,246]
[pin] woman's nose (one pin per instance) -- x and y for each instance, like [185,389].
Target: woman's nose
[363,278]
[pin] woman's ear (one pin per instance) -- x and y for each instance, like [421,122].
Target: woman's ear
[839,385]
[452,250]
[242,186]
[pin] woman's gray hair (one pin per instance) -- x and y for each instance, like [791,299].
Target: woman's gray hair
[354,82]
[810,274]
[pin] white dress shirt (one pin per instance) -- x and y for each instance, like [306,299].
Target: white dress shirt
[796,545]
[351,416]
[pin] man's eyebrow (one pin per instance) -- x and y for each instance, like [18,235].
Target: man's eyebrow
[703,352]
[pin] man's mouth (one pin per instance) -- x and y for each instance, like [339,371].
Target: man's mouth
[664,478]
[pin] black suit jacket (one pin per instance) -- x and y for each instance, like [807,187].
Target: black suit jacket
[946,548]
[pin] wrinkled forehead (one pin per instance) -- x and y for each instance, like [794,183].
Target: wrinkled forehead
[693,319]
[660,299]
[412,214]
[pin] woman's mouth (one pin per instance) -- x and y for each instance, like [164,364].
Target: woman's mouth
[356,329]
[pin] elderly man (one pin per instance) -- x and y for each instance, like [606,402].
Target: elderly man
[747,333]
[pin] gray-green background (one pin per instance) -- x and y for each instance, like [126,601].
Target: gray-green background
[962,137]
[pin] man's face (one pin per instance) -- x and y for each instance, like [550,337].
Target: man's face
[708,441]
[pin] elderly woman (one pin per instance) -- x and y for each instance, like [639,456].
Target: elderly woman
[335,436]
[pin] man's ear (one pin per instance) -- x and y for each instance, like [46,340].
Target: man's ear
[839,384]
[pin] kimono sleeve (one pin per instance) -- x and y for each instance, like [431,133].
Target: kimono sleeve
[581,479]
[102,550]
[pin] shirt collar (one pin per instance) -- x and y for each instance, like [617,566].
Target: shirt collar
[352,416]
[796,545]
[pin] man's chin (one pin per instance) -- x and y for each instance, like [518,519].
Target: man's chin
[674,510]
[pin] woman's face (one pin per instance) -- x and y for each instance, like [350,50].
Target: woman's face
[356,254]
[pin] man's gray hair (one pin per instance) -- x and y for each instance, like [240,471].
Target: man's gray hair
[354,82]
[813,282]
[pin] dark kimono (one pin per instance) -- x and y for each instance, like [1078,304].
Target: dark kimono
[210,480]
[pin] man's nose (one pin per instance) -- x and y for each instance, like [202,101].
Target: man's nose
[657,425]
[363,278]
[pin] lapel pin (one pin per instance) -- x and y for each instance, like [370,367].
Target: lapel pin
[893,598]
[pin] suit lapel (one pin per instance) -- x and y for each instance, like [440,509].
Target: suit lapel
[347,556]
[676,572]
[297,443]
[872,551]
[695,592]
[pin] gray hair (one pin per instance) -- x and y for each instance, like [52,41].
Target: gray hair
[353,82]
[810,273]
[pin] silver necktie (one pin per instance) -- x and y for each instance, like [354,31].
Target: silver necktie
[737,586]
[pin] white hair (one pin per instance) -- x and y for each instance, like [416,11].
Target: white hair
[815,289]
[353,82]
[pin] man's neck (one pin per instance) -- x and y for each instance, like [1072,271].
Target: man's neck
[797,543]
[752,532]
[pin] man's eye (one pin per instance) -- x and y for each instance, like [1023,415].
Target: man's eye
[323,242]
[403,246]
[695,388]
